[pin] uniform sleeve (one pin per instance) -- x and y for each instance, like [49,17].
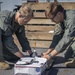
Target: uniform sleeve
[68,35]
[58,33]
[22,39]
[8,41]
[1,48]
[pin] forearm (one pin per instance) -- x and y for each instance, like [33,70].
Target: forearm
[23,41]
[50,55]
[54,53]
[63,43]
[19,54]
[49,51]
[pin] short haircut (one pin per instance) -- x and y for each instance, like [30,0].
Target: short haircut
[26,10]
[53,9]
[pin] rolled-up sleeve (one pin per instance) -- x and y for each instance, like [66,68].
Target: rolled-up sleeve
[22,39]
[68,35]
[8,41]
[58,33]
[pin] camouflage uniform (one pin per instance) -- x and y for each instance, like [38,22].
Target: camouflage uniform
[8,26]
[64,33]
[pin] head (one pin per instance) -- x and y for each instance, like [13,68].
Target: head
[24,15]
[55,12]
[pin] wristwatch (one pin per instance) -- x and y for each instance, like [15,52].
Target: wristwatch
[50,55]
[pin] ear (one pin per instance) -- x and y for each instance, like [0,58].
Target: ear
[17,15]
[59,13]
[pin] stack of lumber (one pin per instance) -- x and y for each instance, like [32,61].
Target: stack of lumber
[40,30]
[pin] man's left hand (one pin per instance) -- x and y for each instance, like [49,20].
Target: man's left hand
[46,56]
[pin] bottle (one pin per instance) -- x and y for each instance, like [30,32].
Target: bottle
[35,54]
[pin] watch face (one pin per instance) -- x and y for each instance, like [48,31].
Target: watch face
[50,55]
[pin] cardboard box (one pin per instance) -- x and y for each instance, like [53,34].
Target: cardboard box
[28,67]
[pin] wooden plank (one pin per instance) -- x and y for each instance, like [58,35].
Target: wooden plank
[68,5]
[40,44]
[39,35]
[39,28]
[39,14]
[43,6]
[38,6]
[40,21]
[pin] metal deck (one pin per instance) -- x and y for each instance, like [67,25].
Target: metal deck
[58,68]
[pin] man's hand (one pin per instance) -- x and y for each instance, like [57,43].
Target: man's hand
[52,54]
[46,56]
[47,52]
[29,51]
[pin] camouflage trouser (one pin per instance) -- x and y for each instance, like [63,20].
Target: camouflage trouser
[1,53]
[5,54]
[70,53]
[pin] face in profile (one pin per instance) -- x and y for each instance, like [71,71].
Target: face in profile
[57,18]
[22,19]
[24,15]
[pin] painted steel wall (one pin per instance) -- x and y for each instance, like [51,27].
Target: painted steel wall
[10,4]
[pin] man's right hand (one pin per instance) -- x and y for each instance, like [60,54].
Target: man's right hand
[46,56]
[47,52]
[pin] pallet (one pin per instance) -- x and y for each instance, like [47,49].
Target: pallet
[40,30]
[44,5]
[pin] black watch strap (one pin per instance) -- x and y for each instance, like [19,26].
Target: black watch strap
[50,55]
